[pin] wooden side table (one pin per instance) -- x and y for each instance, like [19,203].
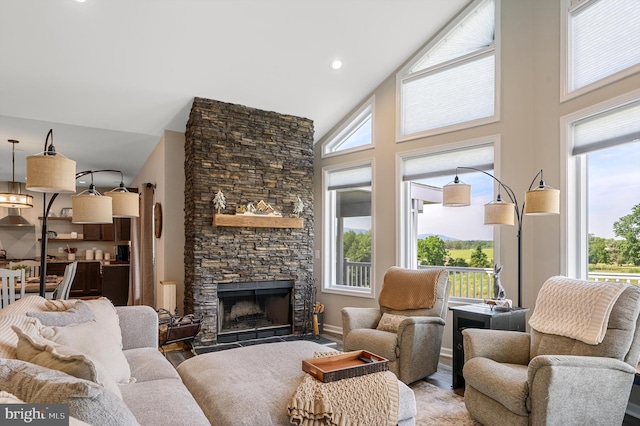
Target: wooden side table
[480,316]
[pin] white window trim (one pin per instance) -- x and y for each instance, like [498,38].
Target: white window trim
[402,75]
[350,126]
[573,212]
[328,237]
[565,94]
[403,215]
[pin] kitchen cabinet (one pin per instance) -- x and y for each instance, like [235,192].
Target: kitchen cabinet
[88,279]
[115,283]
[119,230]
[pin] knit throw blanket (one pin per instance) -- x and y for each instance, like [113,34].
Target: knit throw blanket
[575,308]
[370,400]
[404,289]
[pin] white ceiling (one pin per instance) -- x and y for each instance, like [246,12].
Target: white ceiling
[109,76]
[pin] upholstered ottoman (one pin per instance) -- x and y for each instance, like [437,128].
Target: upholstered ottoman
[252,385]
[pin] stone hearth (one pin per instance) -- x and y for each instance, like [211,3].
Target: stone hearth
[249,155]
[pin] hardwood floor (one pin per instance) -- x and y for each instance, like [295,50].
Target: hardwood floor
[442,378]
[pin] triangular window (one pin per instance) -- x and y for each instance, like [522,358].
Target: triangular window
[356,134]
[452,81]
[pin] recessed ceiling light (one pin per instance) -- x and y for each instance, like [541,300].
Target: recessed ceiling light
[337,64]
[81,1]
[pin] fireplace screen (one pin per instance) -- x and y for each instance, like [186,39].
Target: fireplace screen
[254,310]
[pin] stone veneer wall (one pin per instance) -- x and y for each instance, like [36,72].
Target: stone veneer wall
[249,155]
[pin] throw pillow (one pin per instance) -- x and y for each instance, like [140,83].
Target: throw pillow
[88,401]
[107,316]
[59,304]
[390,322]
[37,350]
[9,339]
[81,312]
[91,339]
[24,305]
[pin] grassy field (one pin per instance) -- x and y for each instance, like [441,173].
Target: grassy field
[466,253]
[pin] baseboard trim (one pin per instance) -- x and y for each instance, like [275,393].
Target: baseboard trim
[332,329]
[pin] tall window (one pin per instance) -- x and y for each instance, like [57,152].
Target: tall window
[457,238]
[348,234]
[602,39]
[355,135]
[605,153]
[454,80]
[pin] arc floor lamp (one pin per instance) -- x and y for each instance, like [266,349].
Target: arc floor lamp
[539,200]
[52,173]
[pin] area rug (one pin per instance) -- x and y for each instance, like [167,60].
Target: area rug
[438,407]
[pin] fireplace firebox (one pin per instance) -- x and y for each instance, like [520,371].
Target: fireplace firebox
[254,310]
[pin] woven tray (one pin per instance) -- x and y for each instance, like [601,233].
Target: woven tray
[345,366]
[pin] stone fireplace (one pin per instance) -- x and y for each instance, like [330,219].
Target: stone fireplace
[250,155]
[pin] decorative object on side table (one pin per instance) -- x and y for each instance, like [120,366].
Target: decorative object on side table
[499,301]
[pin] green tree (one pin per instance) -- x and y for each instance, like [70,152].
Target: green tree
[458,261]
[479,258]
[357,247]
[432,251]
[598,250]
[628,227]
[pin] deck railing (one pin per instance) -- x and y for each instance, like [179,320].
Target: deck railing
[615,277]
[468,283]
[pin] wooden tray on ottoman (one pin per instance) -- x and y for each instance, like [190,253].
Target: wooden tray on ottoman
[344,366]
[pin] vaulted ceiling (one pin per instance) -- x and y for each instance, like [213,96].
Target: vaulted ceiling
[109,76]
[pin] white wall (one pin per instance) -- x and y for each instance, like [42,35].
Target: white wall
[530,141]
[165,169]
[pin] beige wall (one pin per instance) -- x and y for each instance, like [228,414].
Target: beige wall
[165,169]
[530,141]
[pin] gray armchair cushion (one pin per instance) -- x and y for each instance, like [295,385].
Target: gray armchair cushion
[383,343]
[505,383]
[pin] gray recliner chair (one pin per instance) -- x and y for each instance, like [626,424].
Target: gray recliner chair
[407,328]
[548,379]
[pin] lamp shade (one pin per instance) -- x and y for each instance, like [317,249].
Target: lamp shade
[542,200]
[125,203]
[91,208]
[499,213]
[456,195]
[51,173]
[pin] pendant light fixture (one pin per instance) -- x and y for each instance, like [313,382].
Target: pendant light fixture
[13,199]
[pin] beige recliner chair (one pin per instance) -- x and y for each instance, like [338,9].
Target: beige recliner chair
[549,378]
[407,328]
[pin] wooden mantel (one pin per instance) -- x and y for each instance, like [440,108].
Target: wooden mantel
[241,220]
